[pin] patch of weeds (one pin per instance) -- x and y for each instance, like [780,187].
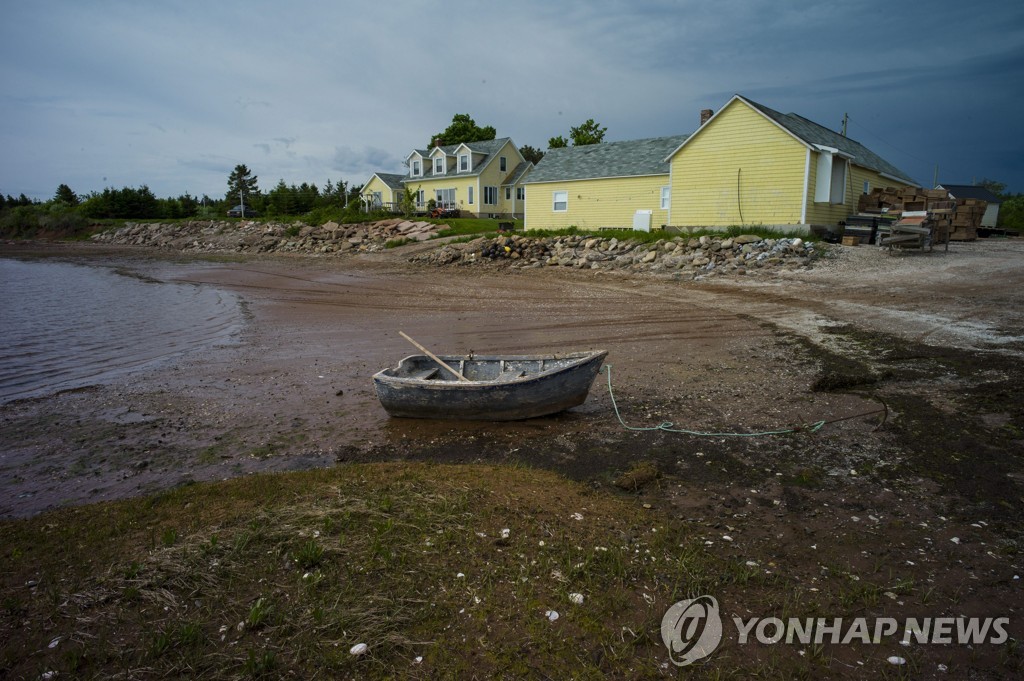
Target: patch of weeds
[260,614]
[260,664]
[169,537]
[641,474]
[309,555]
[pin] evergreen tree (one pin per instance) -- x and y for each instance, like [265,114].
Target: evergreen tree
[65,195]
[241,183]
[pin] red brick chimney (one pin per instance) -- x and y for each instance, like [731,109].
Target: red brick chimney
[705,115]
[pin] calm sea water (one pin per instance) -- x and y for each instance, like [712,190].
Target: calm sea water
[66,326]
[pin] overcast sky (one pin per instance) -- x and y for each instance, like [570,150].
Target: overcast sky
[173,95]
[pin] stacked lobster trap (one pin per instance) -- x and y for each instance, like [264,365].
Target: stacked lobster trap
[911,217]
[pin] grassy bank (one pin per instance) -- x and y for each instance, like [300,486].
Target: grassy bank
[443,572]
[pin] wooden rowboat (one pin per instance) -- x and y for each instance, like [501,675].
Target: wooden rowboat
[505,388]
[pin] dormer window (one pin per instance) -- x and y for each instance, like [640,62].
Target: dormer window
[439,165]
[463,163]
[416,168]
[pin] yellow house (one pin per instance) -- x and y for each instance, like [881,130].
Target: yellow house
[478,179]
[383,191]
[607,185]
[751,165]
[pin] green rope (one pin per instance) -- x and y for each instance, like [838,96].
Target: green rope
[669,427]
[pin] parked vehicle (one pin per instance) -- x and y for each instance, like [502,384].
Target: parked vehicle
[243,212]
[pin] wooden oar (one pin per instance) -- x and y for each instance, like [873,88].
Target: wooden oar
[434,357]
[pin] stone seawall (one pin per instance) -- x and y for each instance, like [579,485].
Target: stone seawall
[692,257]
[267,237]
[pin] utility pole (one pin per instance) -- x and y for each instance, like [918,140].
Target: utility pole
[846,119]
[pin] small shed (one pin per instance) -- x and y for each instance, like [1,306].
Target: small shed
[970,191]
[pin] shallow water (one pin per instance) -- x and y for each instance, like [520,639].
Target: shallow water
[65,326]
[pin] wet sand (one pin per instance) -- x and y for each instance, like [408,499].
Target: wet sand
[296,391]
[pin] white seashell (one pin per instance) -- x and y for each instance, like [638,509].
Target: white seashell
[551,615]
[505,533]
[895,659]
[359,649]
[576,599]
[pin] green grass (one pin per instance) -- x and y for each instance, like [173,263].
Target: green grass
[283,574]
[273,576]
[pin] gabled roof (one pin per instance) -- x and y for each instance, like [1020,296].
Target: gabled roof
[487,148]
[970,191]
[630,158]
[392,180]
[814,135]
[517,173]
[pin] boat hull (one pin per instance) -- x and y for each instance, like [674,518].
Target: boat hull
[500,396]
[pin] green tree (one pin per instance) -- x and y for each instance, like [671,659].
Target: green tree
[993,186]
[241,182]
[587,132]
[462,129]
[1011,212]
[530,154]
[65,195]
[583,134]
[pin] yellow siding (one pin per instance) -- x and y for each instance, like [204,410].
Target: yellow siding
[739,169]
[460,182]
[831,214]
[493,176]
[593,204]
[377,185]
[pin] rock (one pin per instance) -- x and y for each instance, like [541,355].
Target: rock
[650,257]
[746,239]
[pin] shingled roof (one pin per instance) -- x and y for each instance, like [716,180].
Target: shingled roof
[486,147]
[970,191]
[630,158]
[392,180]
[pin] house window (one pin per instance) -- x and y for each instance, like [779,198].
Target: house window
[416,168]
[867,187]
[419,198]
[491,196]
[503,164]
[439,166]
[520,193]
[508,193]
[463,163]
[559,201]
[665,194]
[445,198]
[470,190]
[378,200]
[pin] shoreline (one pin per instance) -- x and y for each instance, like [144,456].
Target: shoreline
[914,362]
